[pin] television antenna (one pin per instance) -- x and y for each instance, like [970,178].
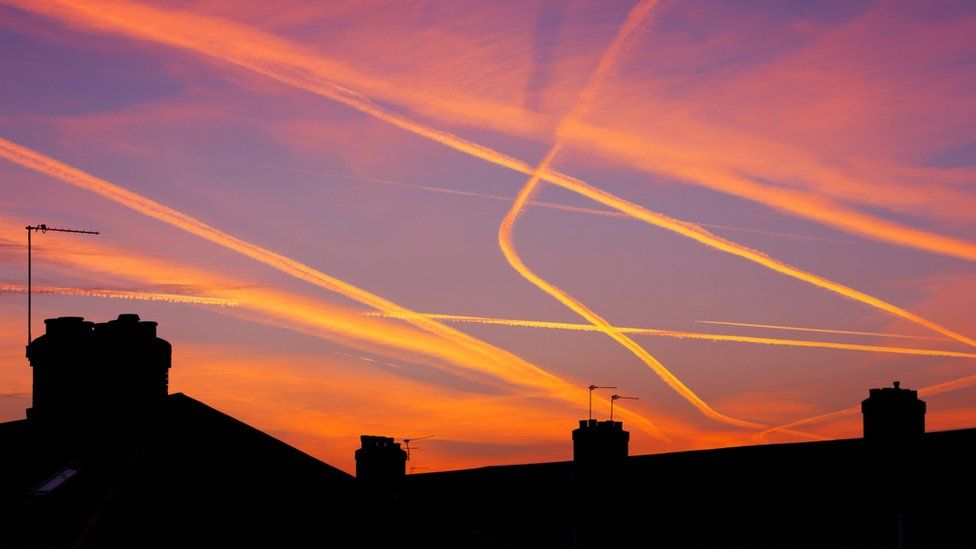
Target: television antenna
[42,228]
[614,398]
[407,442]
[593,388]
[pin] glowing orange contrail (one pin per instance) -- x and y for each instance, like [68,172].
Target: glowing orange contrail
[507,227]
[122,294]
[305,69]
[295,66]
[819,330]
[691,335]
[944,387]
[68,174]
[495,361]
[276,308]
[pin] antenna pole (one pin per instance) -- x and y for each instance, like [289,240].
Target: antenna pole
[42,228]
[614,398]
[592,388]
[28,285]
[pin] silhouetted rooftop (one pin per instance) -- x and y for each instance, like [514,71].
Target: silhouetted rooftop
[107,459]
[199,477]
[837,493]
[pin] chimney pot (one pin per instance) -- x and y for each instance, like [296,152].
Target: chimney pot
[893,415]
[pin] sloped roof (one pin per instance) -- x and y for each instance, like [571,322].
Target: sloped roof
[200,477]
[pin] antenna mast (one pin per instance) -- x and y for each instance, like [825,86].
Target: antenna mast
[614,398]
[593,388]
[407,442]
[43,229]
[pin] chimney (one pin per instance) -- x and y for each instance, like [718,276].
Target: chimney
[599,444]
[96,383]
[380,460]
[893,415]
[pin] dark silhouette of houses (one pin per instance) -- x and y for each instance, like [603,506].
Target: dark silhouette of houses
[897,487]
[107,458]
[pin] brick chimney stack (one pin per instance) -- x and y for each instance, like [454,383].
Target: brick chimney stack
[96,383]
[893,415]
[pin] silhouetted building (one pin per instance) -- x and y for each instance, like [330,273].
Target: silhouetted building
[893,415]
[838,493]
[600,443]
[107,459]
[380,460]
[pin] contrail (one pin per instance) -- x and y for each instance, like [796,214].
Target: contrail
[703,236]
[303,69]
[311,317]
[500,363]
[121,294]
[820,330]
[690,335]
[944,387]
[506,229]
[260,304]
[287,63]
[444,190]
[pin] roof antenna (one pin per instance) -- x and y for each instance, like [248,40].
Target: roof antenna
[593,388]
[407,442]
[614,398]
[43,229]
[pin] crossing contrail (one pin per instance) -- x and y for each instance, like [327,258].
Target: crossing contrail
[121,294]
[480,355]
[679,334]
[290,64]
[506,230]
[293,65]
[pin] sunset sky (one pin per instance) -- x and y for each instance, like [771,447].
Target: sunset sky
[317,203]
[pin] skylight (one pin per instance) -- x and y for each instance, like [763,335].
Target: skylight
[54,482]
